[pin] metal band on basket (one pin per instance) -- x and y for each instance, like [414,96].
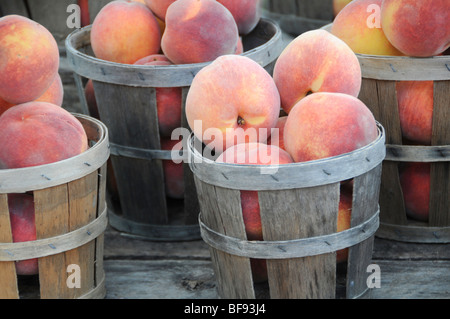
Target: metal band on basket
[291,248]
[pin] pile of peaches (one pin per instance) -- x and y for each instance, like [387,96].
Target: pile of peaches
[34,128]
[414,28]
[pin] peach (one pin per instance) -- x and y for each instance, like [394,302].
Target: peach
[415,107]
[417,28]
[168,99]
[277,136]
[257,154]
[54,94]
[415,182]
[198,31]
[338,5]
[37,133]
[246,13]
[232,98]
[159,7]
[23,228]
[316,61]
[29,59]
[124,32]
[344,219]
[327,124]
[351,26]
[173,172]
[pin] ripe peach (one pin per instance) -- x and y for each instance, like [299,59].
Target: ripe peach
[23,228]
[277,137]
[124,32]
[54,94]
[173,172]
[328,124]
[246,13]
[351,26]
[168,100]
[198,31]
[344,219]
[37,133]
[232,98]
[415,107]
[316,61]
[417,28]
[415,182]
[159,7]
[257,154]
[29,59]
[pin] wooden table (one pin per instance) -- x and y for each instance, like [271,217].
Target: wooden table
[142,269]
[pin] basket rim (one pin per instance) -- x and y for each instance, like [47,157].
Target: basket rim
[178,75]
[402,68]
[64,171]
[287,176]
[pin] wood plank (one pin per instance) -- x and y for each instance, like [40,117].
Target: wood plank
[294,214]
[221,211]
[83,209]
[8,278]
[131,116]
[52,219]
[440,172]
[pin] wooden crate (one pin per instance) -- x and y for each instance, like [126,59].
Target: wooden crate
[70,216]
[298,16]
[378,91]
[298,206]
[126,101]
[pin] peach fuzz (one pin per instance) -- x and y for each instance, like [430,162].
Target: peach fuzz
[415,182]
[168,99]
[246,13]
[316,61]
[418,28]
[415,107]
[328,124]
[37,133]
[23,228]
[173,172]
[183,41]
[29,59]
[159,7]
[351,26]
[256,154]
[232,98]
[124,32]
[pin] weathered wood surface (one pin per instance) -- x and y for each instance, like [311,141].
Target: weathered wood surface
[141,269]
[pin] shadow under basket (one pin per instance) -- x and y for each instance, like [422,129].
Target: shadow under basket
[70,217]
[298,207]
[126,99]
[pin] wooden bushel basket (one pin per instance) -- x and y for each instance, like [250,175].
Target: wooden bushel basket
[378,92]
[70,216]
[299,206]
[126,101]
[298,16]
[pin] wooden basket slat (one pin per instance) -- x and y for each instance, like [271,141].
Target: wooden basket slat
[133,116]
[83,210]
[292,214]
[233,273]
[8,280]
[366,189]
[52,219]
